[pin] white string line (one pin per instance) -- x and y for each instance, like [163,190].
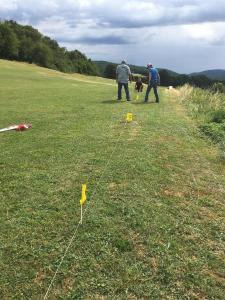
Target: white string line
[62,259]
[87,207]
[70,242]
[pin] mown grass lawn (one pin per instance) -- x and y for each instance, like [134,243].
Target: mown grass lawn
[155,221]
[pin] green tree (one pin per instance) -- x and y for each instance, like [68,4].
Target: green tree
[165,78]
[9,44]
[42,55]
[110,71]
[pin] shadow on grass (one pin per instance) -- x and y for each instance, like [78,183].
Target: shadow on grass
[143,103]
[123,101]
[110,102]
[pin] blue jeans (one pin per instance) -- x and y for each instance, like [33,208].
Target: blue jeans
[150,86]
[126,88]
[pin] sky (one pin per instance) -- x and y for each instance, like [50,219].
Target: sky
[184,36]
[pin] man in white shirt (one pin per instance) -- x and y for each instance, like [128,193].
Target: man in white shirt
[123,75]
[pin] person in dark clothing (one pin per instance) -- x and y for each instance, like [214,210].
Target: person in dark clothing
[154,81]
[138,87]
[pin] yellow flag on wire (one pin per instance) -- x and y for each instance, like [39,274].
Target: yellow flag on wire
[83,194]
[137,98]
[129,117]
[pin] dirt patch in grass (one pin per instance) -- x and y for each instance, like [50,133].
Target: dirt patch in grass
[167,138]
[172,193]
[40,277]
[206,213]
[96,297]
[216,276]
[68,284]
[139,248]
[198,296]
[113,186]
[154,264]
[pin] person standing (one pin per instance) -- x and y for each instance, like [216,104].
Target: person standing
[153,82]
[123,75]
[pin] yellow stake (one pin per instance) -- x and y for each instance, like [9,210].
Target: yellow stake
[129,117]
[82,201]
[83,195]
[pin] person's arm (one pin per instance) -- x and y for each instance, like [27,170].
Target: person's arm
[130,74]
[149,78]
[130,77]
[117,74]
[158,78]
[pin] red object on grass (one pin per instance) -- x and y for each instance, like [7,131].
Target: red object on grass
[22,127]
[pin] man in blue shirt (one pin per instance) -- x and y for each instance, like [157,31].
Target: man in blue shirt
[154,81]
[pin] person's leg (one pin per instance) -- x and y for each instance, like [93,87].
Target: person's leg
[119,91]
[147,92]
[126,87]
[156,93]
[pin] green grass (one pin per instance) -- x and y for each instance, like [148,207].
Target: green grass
[154,228]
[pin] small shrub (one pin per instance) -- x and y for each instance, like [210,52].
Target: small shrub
[123,245]
[216,131]
[219,116]
[218,87]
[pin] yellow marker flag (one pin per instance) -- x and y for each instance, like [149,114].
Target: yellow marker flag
[83,195]
[129,117]
[137,98]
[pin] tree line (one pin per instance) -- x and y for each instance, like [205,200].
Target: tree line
[27,44]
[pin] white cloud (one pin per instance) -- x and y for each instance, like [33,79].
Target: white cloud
[210,33]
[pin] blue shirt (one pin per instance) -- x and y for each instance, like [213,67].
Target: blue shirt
[154,74]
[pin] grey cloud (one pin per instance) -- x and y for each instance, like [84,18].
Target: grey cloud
[91,40]
[167,16]
[115,14]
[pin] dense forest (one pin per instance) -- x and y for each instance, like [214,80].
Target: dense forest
[24,43]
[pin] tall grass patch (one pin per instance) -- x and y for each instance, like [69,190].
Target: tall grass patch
[208,108]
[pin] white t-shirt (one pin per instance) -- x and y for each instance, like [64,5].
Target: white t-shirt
[123,73]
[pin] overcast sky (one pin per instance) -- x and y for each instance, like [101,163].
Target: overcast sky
[182,35]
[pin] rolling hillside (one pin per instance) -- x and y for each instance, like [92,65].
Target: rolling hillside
[134,69]
[212,74]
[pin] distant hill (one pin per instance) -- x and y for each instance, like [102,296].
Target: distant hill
[212,74]
[134,69]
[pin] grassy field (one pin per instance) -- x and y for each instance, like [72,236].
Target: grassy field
[154,227]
